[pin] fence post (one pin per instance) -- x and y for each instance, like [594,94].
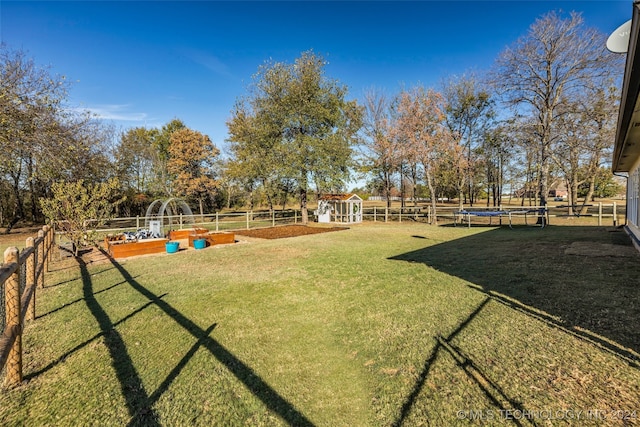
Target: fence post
[30,280]
[295,216]
[615,215]
[52,240]
[400,215]
[180,220]
[12,312]
[247,220]
[40,260]
[216,221]
[374,214]
[273,217]
[47,248]
[599,214]
[386,214]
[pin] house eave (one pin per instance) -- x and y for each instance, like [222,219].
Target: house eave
[627,141]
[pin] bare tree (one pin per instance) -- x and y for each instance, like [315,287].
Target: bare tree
[378,156]
[543,71]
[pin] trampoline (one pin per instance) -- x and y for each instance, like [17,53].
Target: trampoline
[537,212]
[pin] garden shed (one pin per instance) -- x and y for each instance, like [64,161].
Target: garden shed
[339,208]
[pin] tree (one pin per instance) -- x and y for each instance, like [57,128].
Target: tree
[379,155]
[544,70]
[36,126]
[191,160]
[302,123]
[163,181]
[469,114]
[79,208]
[420,124]
[134,159]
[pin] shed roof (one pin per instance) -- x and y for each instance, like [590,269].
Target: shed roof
[340,197]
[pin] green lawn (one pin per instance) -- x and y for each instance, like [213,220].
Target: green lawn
[379,325]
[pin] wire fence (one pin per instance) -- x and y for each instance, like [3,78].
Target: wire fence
[20,274]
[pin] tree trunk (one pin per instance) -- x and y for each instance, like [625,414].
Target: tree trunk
[589,196]
[387,188]
[434,197]
[303,206]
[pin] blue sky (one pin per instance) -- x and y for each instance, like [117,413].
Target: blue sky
[145,63]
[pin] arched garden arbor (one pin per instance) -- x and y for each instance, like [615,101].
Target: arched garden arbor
[171,213]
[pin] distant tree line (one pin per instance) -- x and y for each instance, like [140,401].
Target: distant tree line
[544,115]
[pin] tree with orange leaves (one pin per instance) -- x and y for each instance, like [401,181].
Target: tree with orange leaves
[191,159]
[420,126]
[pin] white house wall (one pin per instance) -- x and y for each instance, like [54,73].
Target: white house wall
[633,202]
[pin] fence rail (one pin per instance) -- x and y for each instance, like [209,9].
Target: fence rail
[215,221]
[602,212]
[20,275]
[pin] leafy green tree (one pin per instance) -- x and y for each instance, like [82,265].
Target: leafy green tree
[79,208]
[469,114]
[163,180]
[604,185]
[191,161]
[134,159]
[299,123]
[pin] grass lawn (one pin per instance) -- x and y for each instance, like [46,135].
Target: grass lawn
[380,325]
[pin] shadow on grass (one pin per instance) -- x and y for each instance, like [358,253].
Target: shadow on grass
[64,282]
[573,278]
[139,402]
[131,384]
[70,303]
[491,390]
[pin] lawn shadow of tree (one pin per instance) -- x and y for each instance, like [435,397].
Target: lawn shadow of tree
[590,294]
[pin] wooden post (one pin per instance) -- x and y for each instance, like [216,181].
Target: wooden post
[400,215]
[12,323]
[247,220]
[40,260]
[180,220]
[386,214]
[47,246]
[31,278]
[273,217]
[374,214]
[295,216]
[599,213]
[137,222]
[52,241]
[615,215]
[216,221]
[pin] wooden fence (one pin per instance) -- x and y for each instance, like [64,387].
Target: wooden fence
[20,275]
[603,213]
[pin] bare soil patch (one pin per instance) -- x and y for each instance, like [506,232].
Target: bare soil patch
[284,231]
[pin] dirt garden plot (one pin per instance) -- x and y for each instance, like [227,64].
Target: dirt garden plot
[286,231]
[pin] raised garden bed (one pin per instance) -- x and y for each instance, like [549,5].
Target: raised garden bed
[213,238]
[185,233]
[124,249]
